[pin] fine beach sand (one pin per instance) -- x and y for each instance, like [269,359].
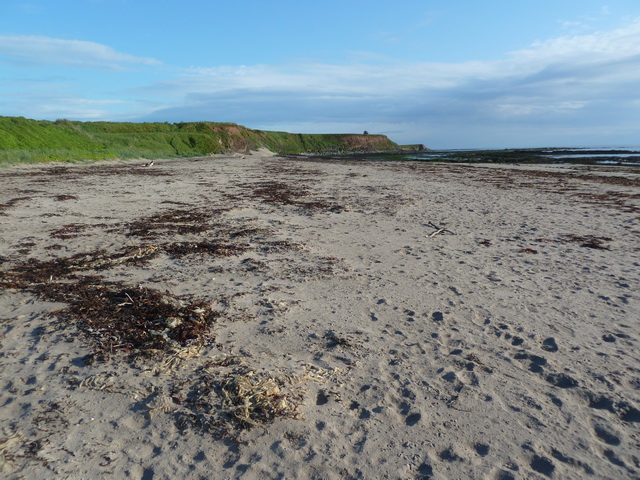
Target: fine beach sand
[505,346]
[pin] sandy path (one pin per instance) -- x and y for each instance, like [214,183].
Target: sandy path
[505,349]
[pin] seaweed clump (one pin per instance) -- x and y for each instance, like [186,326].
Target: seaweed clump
[281,193]
[116,317]
[134,320]
[589,241]
[173,221]
[241,400]
[253,399]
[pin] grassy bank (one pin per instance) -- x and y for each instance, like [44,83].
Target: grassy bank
[28,141]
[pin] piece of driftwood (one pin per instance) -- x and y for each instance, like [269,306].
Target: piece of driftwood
[439,230]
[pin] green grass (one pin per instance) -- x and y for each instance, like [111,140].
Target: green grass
[29,141]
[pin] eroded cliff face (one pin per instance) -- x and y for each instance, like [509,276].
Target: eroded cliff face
[369,142]
[236,138]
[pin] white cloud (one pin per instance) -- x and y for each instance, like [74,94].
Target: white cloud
[46,51]
[615,44]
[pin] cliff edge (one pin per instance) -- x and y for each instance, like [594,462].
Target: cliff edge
[25,140]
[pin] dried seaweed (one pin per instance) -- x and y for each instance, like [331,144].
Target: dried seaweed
[64,197]
[278,193]
[219,249]
[613,199]
[68,231]
[134,319]
[252,399]
[281,193]
[589,241]
[334,340]
[249,232]
[34,272]
[172,221]
[241,400]
[279,246]
[13,202]
[115,316]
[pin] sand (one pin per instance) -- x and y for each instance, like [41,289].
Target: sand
[407,320]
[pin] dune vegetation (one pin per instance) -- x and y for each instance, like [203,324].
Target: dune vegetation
[28,141]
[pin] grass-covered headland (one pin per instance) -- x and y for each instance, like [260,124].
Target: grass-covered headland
[27,141]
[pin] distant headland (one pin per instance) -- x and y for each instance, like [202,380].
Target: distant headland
[24,140]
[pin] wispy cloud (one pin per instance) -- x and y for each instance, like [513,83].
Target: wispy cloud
[47,51]
[618,43]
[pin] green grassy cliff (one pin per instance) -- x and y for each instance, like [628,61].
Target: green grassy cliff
[23,140]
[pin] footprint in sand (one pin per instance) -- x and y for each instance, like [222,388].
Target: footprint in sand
[550,345]
[425,471]
[606,434]
[609,338]
[561,380]
[613,458]
[542,465]
[505,475]
[536,362]
[482,449]
[410,418]
[449,455]
[567,460]
[322,398]
[623,409]
[410,315]
[501,331]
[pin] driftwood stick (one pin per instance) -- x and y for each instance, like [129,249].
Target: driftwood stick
[438,231]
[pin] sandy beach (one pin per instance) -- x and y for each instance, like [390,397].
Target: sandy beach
[262,317]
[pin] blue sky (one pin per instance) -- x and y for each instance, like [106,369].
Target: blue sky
[449,74]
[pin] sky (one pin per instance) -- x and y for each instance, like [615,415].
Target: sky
[444,73]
